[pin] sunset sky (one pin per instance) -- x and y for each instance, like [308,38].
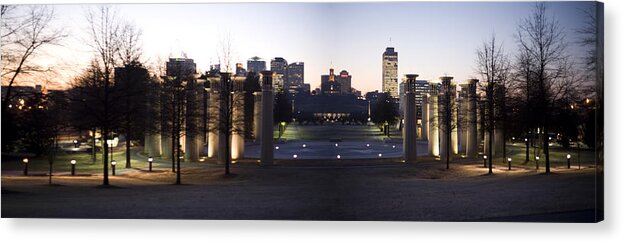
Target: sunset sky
[431,38]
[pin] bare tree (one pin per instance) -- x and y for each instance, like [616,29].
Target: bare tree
[104,30]
[24,34]
[492,65]
[542,39]
[130,50]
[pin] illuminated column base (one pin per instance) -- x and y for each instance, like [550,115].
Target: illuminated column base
[257,116]
[212,144]
[433,132]
[425,125]
[454,135]
[498,143]
[165,145]
[152,145]
[237,146]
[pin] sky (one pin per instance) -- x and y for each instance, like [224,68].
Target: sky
[432,38]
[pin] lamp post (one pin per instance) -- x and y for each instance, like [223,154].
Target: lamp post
[113,164]
[75,143]
[484,160]
[527,149]
[568,161]
[25,160]
[109,143]
[73,167]
[537,162]
[509,163]
[150,160]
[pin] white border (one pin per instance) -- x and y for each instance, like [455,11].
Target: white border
[201,230]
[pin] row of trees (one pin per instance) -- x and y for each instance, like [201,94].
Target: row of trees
[534,92]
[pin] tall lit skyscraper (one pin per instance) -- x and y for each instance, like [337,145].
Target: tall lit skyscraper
[390,72]
[295,77]
[279,66]
[256,64]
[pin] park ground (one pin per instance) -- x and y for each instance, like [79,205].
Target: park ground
[314,189]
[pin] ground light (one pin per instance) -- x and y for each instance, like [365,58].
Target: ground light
[75,143]
[393,146]
[568,161]
[276,147]
[304,146]
[336,144]
[339,156]
[73,167]
[295,156]
[537,162]
[113,164]
[484,160]
[380,155]
[367,145]
[25,160]
[509,163]
[150,160]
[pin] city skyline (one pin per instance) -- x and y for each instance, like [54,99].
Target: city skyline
[430,44]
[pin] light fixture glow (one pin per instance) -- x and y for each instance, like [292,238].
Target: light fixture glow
[295,156]
[25,160]
[339,156]
[73,162]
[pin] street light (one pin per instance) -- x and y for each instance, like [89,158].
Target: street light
[113,163]
[509,163]
[568,161]
[484,160]
[25,160]
[73,167]
[110,145]
[150,159]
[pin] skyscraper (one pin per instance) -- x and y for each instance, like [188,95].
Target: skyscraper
[256,64]
[295,77]
[344,79]
[279,65]
[390,72]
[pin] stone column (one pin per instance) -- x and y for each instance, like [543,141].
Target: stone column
[257,116]
[152,134]
[425,122]
[448,86]
[433,126]
[266,150]
[472,139]
[499,140]
[237,138]
[454,135]
[409,143]
[213,116]
[191,144]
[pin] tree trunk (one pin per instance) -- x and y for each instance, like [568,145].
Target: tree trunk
[128,163]
[93,148]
